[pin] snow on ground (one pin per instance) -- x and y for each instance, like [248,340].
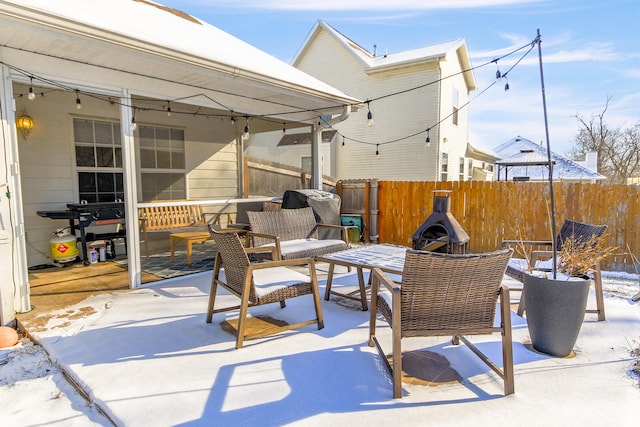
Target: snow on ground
[147,358]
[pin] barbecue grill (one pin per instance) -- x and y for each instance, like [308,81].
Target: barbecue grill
[83,215]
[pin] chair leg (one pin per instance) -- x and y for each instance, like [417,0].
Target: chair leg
[242,321]
[507,343]
[397,364]
[212,299]
[214,287]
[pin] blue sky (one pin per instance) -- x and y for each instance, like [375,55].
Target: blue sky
[590,51]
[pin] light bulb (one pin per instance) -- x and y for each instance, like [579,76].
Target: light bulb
[168,109]
[245,135]
[78,103]
[31,95]
[133,124]
[369,119]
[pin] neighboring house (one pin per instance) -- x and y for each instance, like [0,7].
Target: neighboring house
[524,160]
[128,100]
[480,164]
[437,80]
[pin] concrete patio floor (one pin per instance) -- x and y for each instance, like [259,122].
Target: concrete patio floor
[147,357]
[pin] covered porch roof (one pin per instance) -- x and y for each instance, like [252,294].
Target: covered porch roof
[134,42]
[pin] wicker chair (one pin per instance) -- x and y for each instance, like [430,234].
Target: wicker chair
[580,233]
[294,232]
[260,283]
[443,294]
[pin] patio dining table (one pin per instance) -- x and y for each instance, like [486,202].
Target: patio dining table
[389,258]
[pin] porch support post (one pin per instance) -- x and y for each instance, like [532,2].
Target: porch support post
[316,145]
[316,157]
[130,191]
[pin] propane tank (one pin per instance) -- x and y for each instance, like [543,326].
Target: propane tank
[63,246]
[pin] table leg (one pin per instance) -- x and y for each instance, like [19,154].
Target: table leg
[363,290]
[329,280]
[189,242]
[171,243]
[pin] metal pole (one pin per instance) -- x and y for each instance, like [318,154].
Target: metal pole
[546,130]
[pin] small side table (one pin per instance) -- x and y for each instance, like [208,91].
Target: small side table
[189,238]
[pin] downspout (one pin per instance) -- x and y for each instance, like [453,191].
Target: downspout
[316,146]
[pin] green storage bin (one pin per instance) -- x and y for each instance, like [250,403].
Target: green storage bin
[355,226]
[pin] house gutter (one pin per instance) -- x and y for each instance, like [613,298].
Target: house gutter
[316,146]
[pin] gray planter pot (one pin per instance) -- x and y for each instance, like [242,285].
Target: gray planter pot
[555,311]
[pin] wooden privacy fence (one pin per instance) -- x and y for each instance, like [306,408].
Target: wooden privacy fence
[493,211]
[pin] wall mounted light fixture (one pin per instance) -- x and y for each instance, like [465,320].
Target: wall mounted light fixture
[24,123]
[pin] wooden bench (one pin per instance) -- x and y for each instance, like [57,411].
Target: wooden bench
[294,233]
[176,218]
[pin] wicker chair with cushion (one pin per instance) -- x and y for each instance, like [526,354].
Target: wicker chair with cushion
[294,233]
[578,232]
[440,295]
[260,283]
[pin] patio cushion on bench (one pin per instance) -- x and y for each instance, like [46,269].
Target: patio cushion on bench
[294,232]
[303,248]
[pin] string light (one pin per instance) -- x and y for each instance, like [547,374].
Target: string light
[245,135]
[169,108]
[133,124]
[233,120]
[31,94]
[377,151]
[506,85]
[284,127]
[428,140]
[530,45]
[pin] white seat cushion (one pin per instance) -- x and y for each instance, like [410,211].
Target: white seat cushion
[269,280]
[302,248]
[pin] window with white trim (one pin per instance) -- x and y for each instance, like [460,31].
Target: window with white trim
[444,167]
[456,106]
[162,163]
[98,151]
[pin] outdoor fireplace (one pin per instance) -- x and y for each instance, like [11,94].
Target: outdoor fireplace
[441,232]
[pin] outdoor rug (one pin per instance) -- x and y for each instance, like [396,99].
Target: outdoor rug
[160,264]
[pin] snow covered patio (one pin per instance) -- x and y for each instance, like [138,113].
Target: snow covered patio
[147,357]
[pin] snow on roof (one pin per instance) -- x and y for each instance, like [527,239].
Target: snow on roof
[412,56]
[522,156]
[158,25]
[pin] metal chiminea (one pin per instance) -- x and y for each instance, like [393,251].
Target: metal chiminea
[441,232]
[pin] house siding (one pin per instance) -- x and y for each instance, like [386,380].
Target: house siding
[395,117]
